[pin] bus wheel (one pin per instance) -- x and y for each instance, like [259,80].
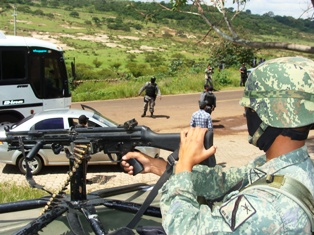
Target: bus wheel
[35,164]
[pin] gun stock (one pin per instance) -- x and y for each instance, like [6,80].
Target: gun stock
[168,142]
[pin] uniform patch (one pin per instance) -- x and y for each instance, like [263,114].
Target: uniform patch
[236,211]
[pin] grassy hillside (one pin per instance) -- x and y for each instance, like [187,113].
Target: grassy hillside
[114,42]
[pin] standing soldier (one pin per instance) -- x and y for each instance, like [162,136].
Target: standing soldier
[209,97]
[208,75]
[243,73]
[151,91]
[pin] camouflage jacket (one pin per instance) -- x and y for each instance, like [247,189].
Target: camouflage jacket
[255,211]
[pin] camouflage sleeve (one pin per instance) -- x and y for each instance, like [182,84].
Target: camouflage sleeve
[203,181]
[142,88]
[215,179]
[220,181]
[258,212]
[158,91]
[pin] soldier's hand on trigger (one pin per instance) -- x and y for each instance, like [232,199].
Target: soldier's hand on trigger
[151,165]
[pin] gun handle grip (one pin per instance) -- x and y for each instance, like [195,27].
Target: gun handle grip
[137,166]
[208,142]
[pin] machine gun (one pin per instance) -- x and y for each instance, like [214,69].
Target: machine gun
[83,142]
[113,141]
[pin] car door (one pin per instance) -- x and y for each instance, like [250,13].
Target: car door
[47,154]
[100,157]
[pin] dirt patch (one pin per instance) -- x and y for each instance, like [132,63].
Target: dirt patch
[229,125]
[129,37]
[102,38]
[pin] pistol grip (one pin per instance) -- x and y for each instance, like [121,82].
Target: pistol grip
[137,166]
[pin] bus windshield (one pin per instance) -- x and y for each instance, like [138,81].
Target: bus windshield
[47,74]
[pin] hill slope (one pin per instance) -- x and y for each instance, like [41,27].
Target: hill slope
[113,30]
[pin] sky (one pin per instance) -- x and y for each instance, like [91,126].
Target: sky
[293,8]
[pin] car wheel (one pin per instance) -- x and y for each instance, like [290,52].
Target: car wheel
[35,164]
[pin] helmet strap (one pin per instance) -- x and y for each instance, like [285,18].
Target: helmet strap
[261,135]
[295,134]
[257,134]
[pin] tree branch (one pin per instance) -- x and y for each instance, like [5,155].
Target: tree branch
[234,38]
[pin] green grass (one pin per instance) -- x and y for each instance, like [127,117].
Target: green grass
[181,83]
[87,51]
[11,192]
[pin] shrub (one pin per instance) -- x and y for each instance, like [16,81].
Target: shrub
[138,70]
[222,79]
[85,72]
[97,63]
[38,12]
[137,26]
[74,14]
[105,74]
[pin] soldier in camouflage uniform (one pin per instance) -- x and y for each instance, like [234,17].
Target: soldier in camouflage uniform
[151,92]
[279,97]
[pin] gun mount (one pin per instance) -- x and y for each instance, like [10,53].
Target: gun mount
[84,142]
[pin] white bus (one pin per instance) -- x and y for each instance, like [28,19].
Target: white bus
[33,77]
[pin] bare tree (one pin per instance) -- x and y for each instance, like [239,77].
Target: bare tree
[231,34]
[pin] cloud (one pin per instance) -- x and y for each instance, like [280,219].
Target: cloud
[294,8]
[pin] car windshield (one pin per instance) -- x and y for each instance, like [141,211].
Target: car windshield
[22,121]
[104,120]
[98,116]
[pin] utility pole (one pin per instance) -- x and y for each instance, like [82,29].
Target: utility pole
[14,15]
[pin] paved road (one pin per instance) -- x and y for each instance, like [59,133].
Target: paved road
[232,146]
[179,108]
[172,112]
[232,140]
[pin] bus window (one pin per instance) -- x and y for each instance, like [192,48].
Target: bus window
[13,64]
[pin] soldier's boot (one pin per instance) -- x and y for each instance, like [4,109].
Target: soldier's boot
[144,114]
[152,114]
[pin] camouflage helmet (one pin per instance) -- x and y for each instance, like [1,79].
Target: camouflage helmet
[281,92]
